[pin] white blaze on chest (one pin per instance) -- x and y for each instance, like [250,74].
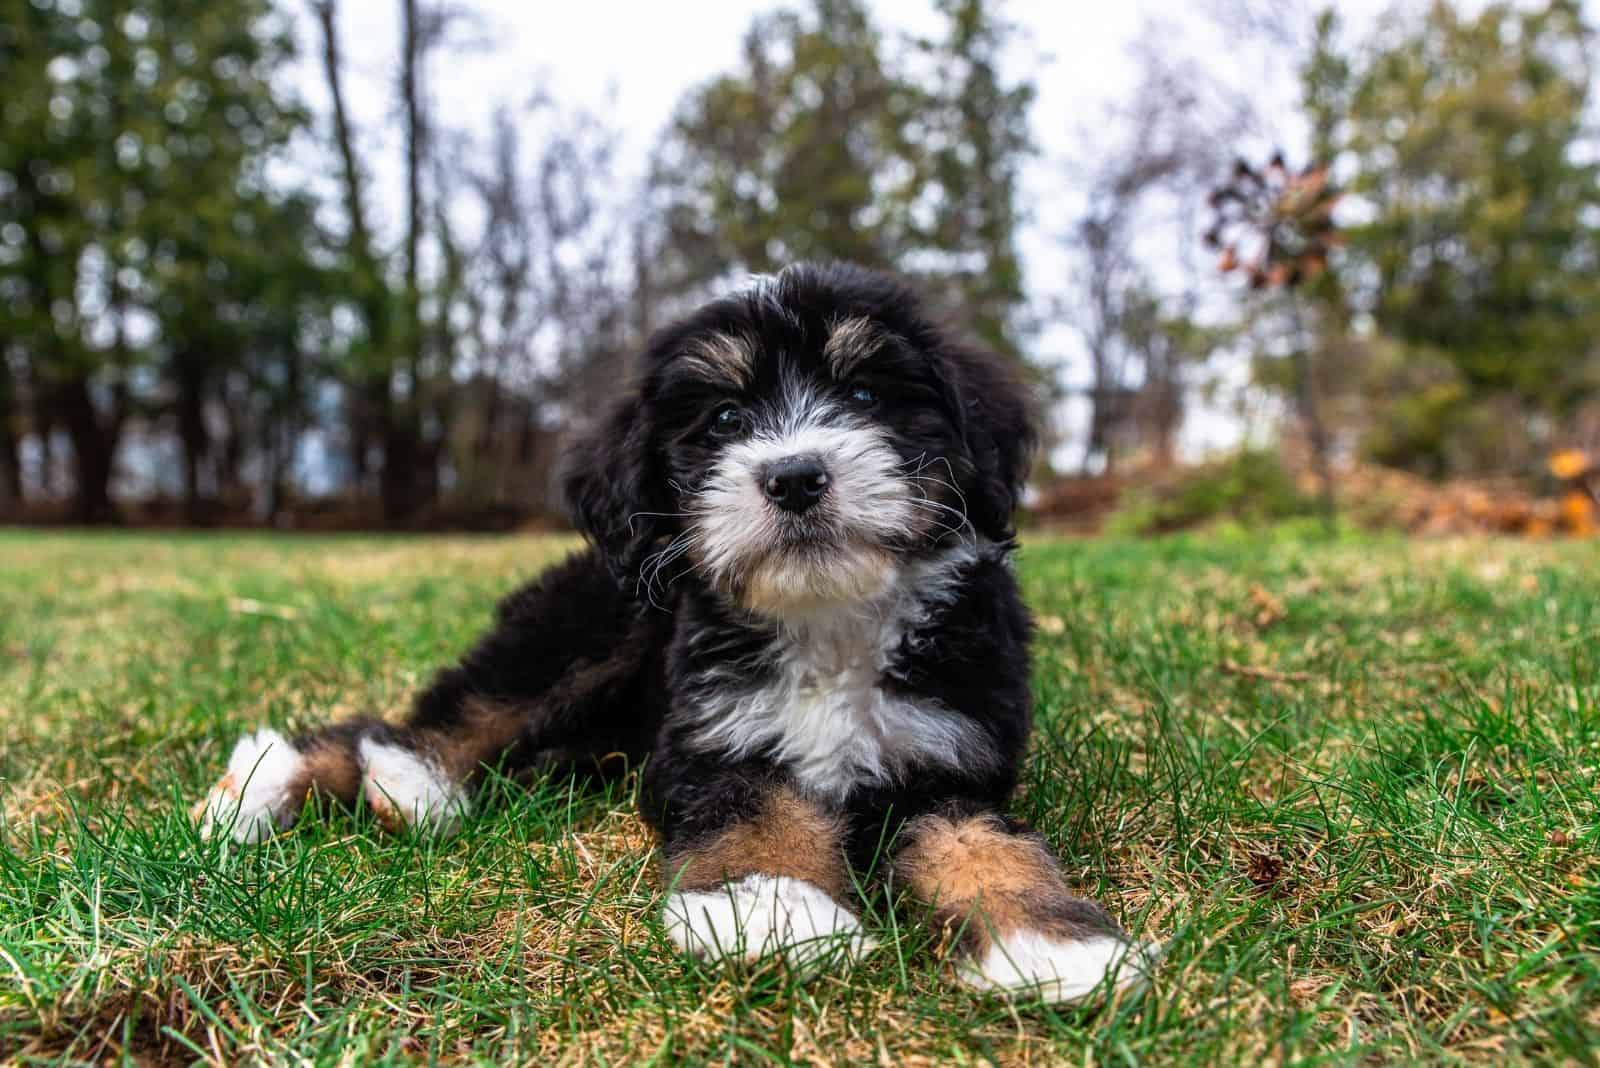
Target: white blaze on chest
[823,711]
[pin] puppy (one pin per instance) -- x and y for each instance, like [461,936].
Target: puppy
[798,615]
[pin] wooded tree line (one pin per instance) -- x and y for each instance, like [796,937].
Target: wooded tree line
[185,315]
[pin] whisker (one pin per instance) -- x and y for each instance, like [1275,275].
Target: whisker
[659,515]
[951,486]
[655,562]
[945,529]
[963,530]
[964,521]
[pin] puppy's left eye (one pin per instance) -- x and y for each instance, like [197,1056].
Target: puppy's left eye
[727,422]
[862,397]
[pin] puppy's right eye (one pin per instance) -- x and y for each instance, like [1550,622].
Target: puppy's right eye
[728,422]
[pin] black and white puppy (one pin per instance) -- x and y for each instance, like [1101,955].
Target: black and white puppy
[798,615]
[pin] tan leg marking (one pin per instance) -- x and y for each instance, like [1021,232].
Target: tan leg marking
[486,730]
[790,836]
[989,882]
[773,883]
[331,770]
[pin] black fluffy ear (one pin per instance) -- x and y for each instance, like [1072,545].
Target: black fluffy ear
[612,495]
[999,424]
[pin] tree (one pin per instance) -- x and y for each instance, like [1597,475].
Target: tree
[1169,342]
[1150,181]
[57,218]
[399,385]
[1466,142]
[366,400]
[803,153]
[976,136]
[136,135]
[206,216]
[831,142]
[548,292]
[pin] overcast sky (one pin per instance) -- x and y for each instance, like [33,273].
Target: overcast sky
[632,61]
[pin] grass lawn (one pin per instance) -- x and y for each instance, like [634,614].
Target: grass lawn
[1353,787]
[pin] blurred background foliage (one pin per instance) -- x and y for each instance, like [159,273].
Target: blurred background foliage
[193,331]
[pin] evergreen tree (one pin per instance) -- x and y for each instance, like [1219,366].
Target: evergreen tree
[976,139]
[1477,246]
[831,142]
[134,146]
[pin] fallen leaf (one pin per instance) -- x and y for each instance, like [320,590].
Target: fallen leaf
[1269,609]
[1569,463]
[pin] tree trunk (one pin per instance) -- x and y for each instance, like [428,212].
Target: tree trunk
[1097,443]
[402,449]
[235,443]
[344,137]
[368,387]
[1305,391]
[94,448]
[44,428]
[11,492]
[10,441]
[282,433]
[192,435]
[411,101]
[398,481]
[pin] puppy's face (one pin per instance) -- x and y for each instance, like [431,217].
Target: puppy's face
[794,444]
[807,462]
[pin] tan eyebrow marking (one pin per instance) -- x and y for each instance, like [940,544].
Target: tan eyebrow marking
[852,340]
[721,357]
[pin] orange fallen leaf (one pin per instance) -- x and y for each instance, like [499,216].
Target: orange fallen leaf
[1577,514]
[1569,463]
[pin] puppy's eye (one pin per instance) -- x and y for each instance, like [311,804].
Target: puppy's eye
[728,422]
[862,397]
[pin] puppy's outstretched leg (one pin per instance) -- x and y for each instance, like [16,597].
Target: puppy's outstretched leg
[408,776]
[767,880]
[1022,932]
[565,680]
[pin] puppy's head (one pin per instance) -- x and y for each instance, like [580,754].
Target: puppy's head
[796,443]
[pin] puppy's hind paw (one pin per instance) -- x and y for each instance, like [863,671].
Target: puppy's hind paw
[405,789]
[260,793]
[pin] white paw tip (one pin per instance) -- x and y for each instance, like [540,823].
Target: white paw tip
[763,914]
[255,797]
[1032,964]
[404,789]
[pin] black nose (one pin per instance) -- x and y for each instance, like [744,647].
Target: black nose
[795,484]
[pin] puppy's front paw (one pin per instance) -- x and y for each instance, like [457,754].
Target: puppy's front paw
[1028,963]
[261,792]
[765,914]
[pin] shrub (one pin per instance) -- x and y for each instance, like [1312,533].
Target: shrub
[1251,487]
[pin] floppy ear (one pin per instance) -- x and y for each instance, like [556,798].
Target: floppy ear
[998,423]
[611,492]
